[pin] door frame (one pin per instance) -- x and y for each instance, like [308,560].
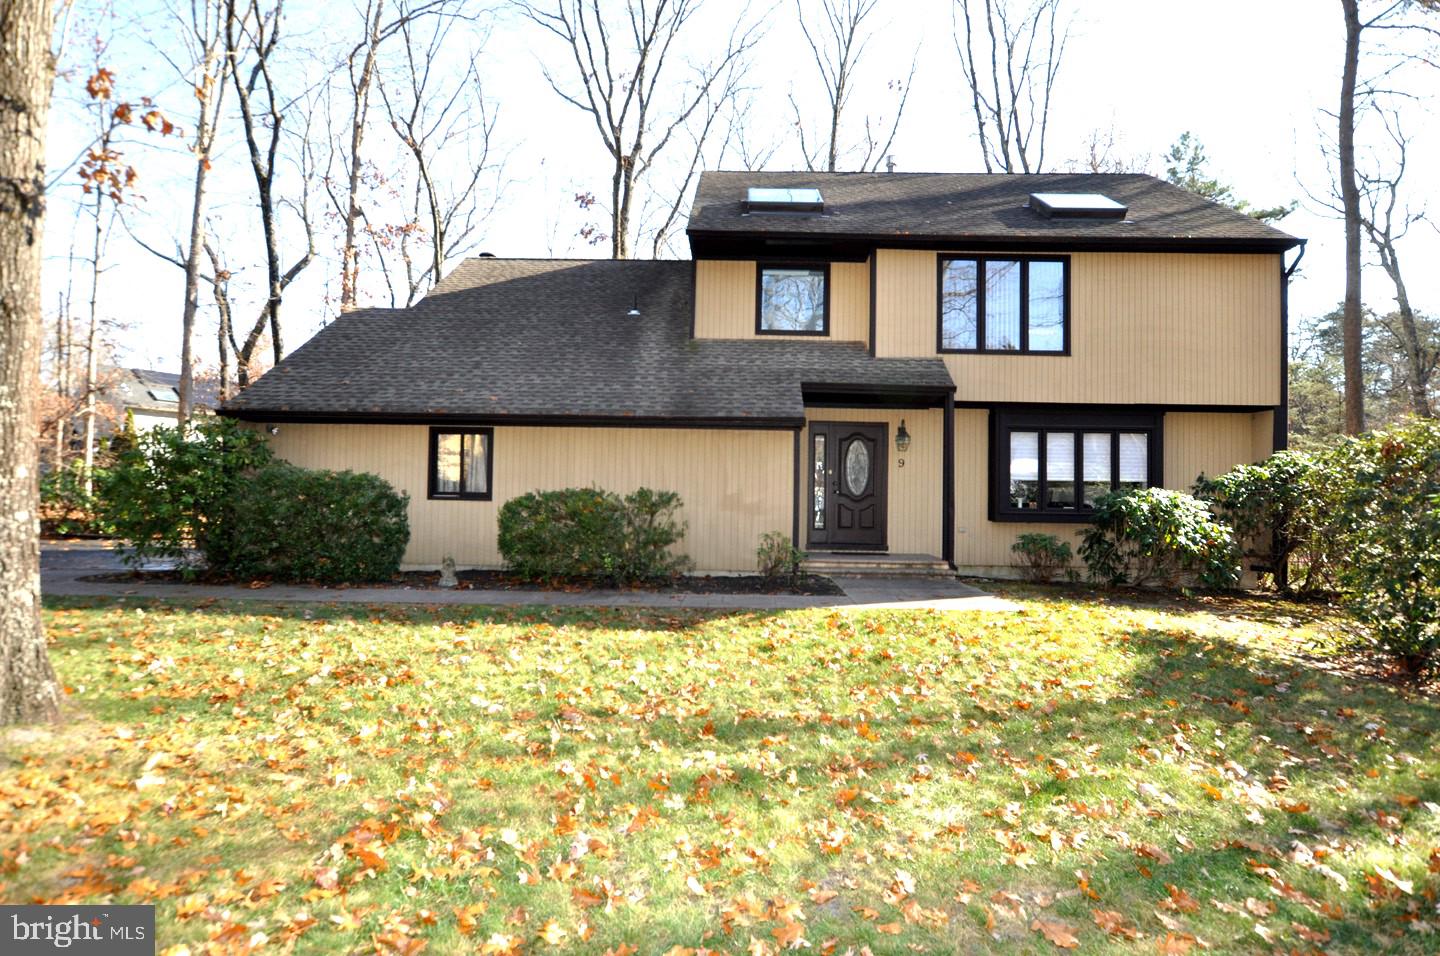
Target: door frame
[880,478]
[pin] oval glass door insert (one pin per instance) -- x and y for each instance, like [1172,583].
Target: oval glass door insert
[857,468]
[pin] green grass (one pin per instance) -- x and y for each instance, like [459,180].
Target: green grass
[324,779]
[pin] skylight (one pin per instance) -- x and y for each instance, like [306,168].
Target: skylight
[1076,206]
[170,394]
[780,199]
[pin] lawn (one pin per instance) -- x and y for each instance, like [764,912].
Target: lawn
[1107,776]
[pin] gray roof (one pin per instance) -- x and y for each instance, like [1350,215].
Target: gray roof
[148,389]
[975,206]
[528,338]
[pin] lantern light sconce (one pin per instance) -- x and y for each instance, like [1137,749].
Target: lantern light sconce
[902,438]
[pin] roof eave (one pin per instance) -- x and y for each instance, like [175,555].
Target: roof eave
[321,417]
[713,243]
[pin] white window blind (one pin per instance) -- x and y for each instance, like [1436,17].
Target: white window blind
[1097,456]
[1060,456]
[1024,456]
[1134,458]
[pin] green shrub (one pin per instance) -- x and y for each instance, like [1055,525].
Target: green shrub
[587,533]
[1153,536]
[1040,556]
[1266,504]
[1390,525]
[777,558]
[65,508]
[300,524]
[169,490]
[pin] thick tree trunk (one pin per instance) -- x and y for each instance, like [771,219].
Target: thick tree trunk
[28,688]
[209,91]
[1351,321]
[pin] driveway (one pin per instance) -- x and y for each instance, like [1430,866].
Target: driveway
[66,568]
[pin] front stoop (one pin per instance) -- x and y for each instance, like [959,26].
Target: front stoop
[878,564]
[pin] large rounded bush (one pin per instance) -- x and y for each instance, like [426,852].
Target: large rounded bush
[586,533]
[299,524]
[1156,536]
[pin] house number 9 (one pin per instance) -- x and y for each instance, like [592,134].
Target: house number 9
[900,462]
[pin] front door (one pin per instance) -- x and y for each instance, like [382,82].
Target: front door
[847,485]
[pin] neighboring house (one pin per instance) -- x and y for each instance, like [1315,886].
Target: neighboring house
[150,397]
[925,364]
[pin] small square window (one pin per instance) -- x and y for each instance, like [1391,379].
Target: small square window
[460,463]
[793,300]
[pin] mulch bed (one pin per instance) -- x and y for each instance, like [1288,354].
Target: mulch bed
[500,581]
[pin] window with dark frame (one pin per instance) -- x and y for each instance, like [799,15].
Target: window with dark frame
[1014,305]
[793,299]
[461,464]
[1056,468]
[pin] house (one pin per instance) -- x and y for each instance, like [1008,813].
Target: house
[916,364]
[151,397]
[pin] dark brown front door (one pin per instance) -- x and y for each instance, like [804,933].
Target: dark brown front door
[847,485]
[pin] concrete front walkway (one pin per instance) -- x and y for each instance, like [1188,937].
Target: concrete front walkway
[64,566]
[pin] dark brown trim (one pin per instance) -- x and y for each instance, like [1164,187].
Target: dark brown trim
[759,244]
[761,267]
[795,499]
[547,421]
[1002,423]
[433,460]
[1083,407]
[873,257]
[839,394]
[1280,433]
[947,493]
[694,298]
[980,264]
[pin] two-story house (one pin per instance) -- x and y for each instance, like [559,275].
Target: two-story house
[917,364]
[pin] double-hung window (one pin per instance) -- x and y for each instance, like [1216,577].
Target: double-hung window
[793,299]
[1056,467]
[1004,304]
[460,463]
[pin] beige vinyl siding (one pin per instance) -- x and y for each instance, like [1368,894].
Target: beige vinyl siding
[1146,328]
[1194,444]
[1210,444]
[914,506]
[735,484]
[725,301]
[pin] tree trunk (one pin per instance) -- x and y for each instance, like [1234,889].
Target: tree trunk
[1351,321]
[350,256]
[209,92]
[92,363]
[28,688]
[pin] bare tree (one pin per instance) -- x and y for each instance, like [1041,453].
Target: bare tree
[1386,15]
[28,688]
[1385,225]
[252,34]
[837,45]
[202,32]
[434,120]
[1104,154]
[1352,321]
[620,70]
[1009,59]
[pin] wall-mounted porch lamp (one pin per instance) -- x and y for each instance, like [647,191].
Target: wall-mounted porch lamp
[902,438]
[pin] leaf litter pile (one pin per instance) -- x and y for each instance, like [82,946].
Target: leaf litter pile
[396,780]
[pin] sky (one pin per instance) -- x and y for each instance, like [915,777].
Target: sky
[1250,79]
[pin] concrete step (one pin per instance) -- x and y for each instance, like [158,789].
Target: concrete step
[877,564]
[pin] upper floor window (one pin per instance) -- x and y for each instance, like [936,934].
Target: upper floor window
[793,300]
[460,463]
[1004,304]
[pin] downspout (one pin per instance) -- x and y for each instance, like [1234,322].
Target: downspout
[1280,439]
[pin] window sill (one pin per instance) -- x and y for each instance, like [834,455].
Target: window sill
[1044,517]
[484,497]
[1031,354]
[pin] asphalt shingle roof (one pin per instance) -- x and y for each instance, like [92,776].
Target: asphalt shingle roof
[551,338]
[980,206]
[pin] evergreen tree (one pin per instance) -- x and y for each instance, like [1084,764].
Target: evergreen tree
[1187,167]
